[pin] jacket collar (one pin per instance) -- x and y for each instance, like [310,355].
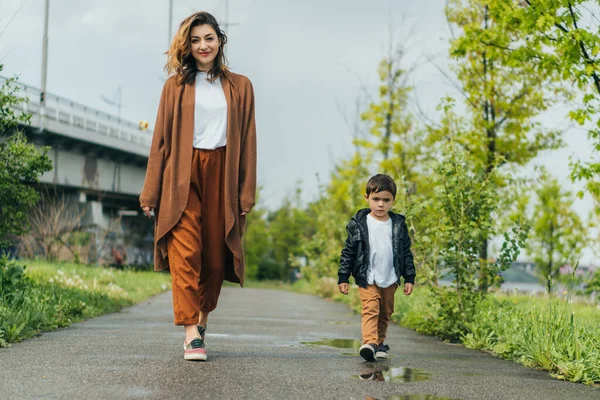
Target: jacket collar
[361,217]
[227,89]
[362,214]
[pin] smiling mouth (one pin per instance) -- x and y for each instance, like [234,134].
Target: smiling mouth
[205,54]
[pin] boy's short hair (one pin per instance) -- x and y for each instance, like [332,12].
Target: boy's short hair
[379,183]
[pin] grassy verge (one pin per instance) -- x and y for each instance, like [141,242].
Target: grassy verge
[44,296]
[555,335]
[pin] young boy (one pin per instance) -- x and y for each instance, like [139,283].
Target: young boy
[377,253]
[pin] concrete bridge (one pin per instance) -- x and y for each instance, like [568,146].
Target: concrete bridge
[99,162]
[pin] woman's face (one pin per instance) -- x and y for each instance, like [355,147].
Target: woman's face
[205,46]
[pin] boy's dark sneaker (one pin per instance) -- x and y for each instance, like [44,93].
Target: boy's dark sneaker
[367,351]
[194,351]
[366,377]
[374,376]
[382,351]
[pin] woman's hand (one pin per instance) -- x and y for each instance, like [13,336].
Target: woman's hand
[148,211]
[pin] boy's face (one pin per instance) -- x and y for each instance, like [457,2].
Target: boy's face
[380,203]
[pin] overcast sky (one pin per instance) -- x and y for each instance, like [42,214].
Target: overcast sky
[307,60]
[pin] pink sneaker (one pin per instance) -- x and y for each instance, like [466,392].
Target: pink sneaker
[194,351]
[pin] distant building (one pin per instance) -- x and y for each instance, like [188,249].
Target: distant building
[582,270]
[525,266]
[530,268]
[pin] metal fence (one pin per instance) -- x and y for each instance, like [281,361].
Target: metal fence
[78,115]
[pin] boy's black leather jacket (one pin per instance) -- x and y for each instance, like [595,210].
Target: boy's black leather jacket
[355,255]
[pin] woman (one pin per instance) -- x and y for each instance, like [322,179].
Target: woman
[201,176]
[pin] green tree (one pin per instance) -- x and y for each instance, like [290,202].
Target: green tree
[288,226]
[463,199]
[466,197]
[21,164]
[257,242]
[339,200]
[558,234]
[396,141]
[396,145]
[273,239]
[503,97]
[593,284]
[562,38]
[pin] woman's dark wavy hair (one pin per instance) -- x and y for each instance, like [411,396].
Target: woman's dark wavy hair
[180,60]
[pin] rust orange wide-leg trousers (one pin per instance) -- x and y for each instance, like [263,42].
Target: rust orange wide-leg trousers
[196,245]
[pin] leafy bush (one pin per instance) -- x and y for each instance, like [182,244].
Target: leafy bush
[593,284]
[13,282]
[21,164]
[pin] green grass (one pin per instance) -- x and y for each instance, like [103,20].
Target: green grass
[133,285]
[553,334]
[549,334]
[46,296]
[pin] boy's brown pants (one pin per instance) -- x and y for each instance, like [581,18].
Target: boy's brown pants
[377,308]
[196,245]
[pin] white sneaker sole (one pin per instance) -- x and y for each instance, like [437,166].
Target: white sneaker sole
[366,352]
[381,354]
[195,356]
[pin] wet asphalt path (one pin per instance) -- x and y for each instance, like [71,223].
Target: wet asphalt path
[256,351]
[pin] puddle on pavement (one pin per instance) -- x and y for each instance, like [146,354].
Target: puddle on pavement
[346,344]
[337,343]
[411,397]
[396,374]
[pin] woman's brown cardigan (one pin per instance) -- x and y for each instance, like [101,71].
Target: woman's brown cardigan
[169,165]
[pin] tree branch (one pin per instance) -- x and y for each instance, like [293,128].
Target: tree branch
[11,19]
[548,37]
[424,116]
[584,52]
[586,56]
[497,46]
[457,87]
[508,114]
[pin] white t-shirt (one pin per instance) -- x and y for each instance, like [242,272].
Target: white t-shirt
[210,114]
[381,258]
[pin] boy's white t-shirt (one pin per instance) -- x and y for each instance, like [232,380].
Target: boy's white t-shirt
[381,270]
[210,114]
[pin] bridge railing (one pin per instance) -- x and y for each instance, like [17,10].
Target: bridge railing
[78,115]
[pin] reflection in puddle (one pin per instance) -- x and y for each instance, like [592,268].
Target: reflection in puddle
[337,343]
[411,397]
[355,354]
[398,374]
